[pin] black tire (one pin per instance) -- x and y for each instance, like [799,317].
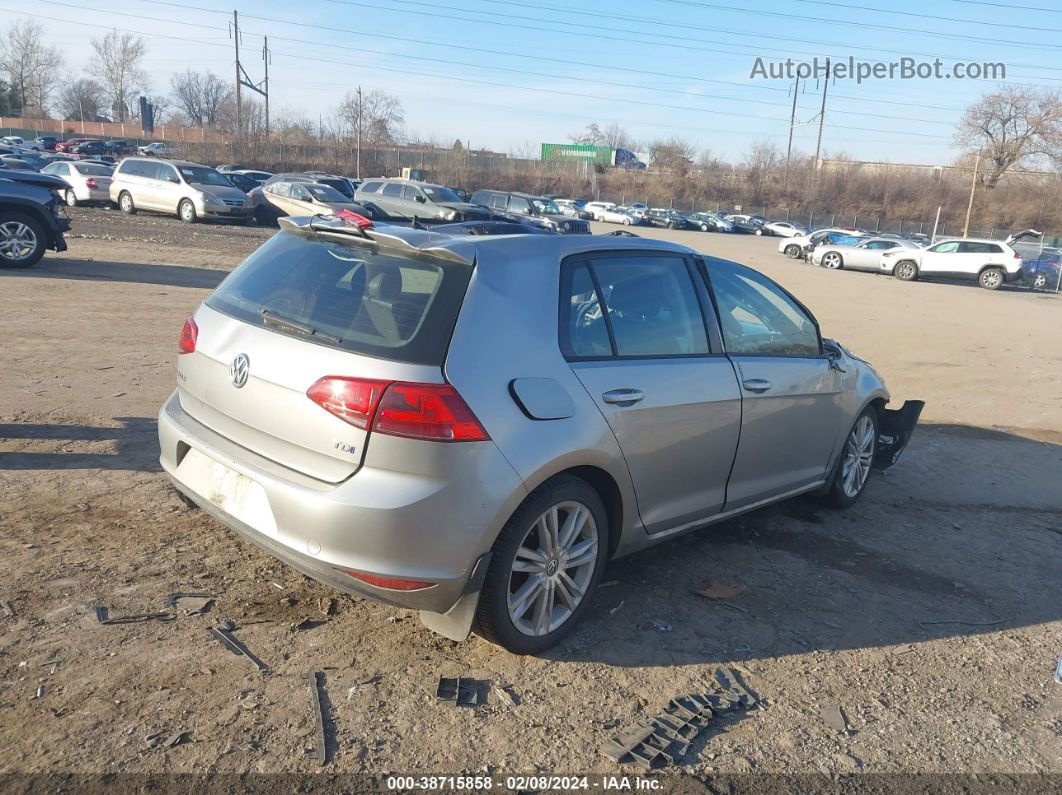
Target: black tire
[793,251]
[492,621]
[186,211]
[704,227]
[670,225]
[125,203]
[836,495]
[626,221]
[991,278]
[70,198]
[31,233]
[905,270]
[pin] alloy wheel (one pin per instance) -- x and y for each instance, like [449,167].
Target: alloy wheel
[858,456]
[552,568]
[991,279]
[17,240]
[832,260]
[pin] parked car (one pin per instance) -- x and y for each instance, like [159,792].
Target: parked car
[118,146]
[795,246]
[13,140]
[533,210]
[225,168]
[31,218]
[575,208]
[279,198]
[188,190]
[90,148]
[397,413]
[1042,273]
[241,181]
[86,182]
[101,160]
[17,163]
[490,228]
[991,263]
[460,193]
[158,149]
[68,144]
[785,229]
[715,222]
[596,209]
[671,219]
[746,225]
[405,199]
[259,177]
[618,215]
[863,256]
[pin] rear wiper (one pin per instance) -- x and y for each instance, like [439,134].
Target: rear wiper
[269,317]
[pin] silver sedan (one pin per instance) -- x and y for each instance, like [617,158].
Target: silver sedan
[864,256]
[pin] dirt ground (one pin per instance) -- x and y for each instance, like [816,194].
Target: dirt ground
[931,613]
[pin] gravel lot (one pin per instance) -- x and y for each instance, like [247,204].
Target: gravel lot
[931,613]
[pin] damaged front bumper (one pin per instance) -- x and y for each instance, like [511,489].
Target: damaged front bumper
[895,431]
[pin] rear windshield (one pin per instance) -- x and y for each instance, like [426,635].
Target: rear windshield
[346,296]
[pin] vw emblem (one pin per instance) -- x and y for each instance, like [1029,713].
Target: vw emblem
[239,370]
[552,567]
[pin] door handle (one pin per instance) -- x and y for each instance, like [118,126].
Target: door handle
[622,397]
[756,385]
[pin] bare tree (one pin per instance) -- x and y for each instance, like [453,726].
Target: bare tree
[82,100]
[1013,126]
[377,115]
[30,67]
[117,64]
[673,154]
[200,97]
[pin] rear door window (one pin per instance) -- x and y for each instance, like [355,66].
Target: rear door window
[370,187]
[392,189]
[149,170]
[331,292]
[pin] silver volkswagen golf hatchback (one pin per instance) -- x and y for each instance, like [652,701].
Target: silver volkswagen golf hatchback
[471,426]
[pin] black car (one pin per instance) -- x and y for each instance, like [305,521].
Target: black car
[31,217]
[91,148]
[119,147]
[744,225]
[46,142]
[242,181]
[669,219]
[527,209]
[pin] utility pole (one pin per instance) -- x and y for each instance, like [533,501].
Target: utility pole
[792,122]
[358,168]
[822,114]
[973,187]
[236,39]
[266,58]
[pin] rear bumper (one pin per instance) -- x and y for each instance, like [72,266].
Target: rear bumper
[389,524]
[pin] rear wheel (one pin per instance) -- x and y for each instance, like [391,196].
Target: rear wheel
[852,471]
[792,251]
[125,204]
[70,197]
[545,565]
[991,278]
[186,211]
[905,271]
[1039,281]
[626,221]
[832,260]
[22,240]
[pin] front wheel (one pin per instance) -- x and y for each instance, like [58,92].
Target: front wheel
[852,471]
[905,271]
[991,278]
[125,204]
[832,260]
[22,240]
[626,221]
[186,212]
[792,251]
[71,198]
[545,566]
[1039,281]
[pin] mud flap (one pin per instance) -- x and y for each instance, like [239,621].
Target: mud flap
[895,431]
[456,623]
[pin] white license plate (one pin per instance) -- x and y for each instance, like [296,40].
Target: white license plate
[236,494]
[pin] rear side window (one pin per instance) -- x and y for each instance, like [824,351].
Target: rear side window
[370,187]
[651,303]
[130,168]
[979,248]
[334,293]
[392,189]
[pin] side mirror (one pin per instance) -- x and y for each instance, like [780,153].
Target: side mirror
[420,198]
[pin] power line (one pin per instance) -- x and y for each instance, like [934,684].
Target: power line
[920,31]
[930,16]
[1004,5]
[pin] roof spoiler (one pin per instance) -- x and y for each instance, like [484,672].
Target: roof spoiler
[390,236]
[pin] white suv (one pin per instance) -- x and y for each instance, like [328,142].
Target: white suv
[991,263]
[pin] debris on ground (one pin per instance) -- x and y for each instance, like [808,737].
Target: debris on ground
[660,626]
[315,681]
[718,591]
[40,691]
[104,617]
[175,739]
[666,738]
[191,604]
[504,696]
[327,606]
[1058,670]
[461,691]
[308,623]
[8,609]
[834,717]
[224,635]
[615,609]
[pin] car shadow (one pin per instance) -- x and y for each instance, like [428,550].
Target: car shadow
[132,446]
[137,273]
[961,538]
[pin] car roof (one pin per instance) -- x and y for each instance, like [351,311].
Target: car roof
[466,249]
[971,240]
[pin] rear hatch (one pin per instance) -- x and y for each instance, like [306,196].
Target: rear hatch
[305,306]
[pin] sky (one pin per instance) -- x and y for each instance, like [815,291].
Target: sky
[510,74]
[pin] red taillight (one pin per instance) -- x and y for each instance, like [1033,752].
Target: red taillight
[92,184]
[353,400]
[427,411]
[433,412]
[352,217]
[1017,255]
[189,335]
[387,582]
